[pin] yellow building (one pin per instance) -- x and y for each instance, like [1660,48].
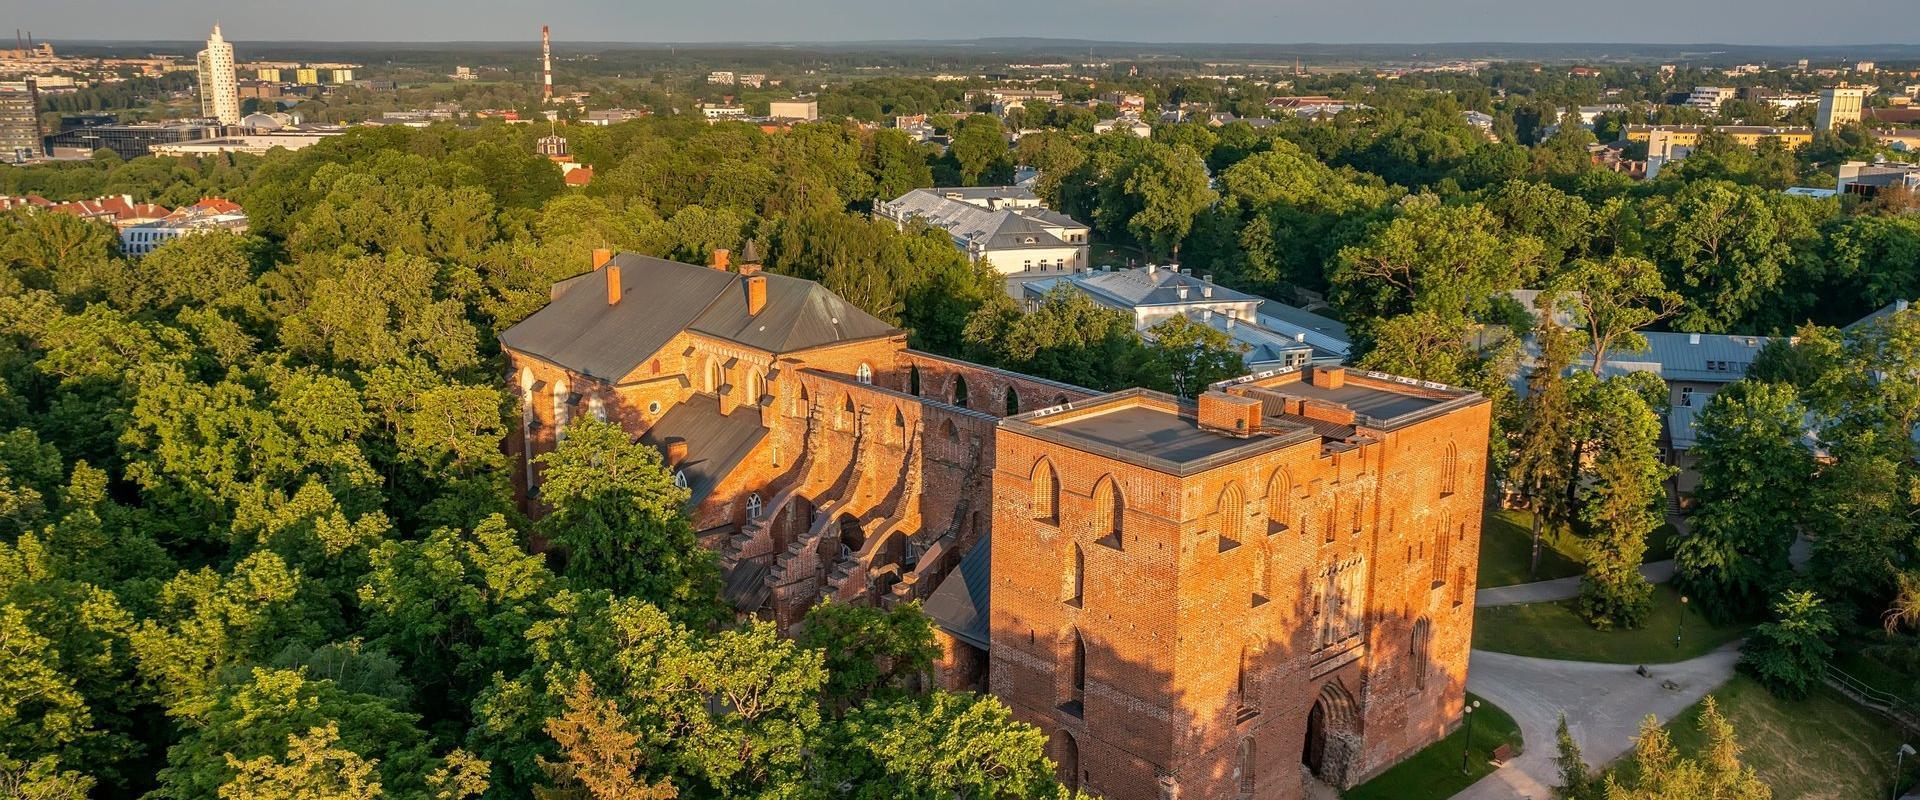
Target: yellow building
[268,74]
[1749,135]
[307,76]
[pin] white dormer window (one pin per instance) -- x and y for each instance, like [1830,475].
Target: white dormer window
[864,374]
[680,478]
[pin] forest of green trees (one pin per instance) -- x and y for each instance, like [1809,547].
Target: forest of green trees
[256,537]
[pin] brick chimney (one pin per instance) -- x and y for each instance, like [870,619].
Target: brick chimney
[601,256]
[613,284]
[722,259]
[1328,377]
[676,451]
[1232,415]
[756,294]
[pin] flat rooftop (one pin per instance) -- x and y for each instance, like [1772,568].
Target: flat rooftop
[1365,400]
[1326,405]
[1150,431]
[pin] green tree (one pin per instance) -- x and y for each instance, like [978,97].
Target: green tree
[1185,357]
[270,714]
[1542,463]
[1726,247]
[939,746]
[1612,299]
[1620,503]
[315,767]
[1575,783]
[1661,773]
[1737,542]
[621,521]
[1788,654]
[869,651]
[455,606]
[980,150]
[1159,194]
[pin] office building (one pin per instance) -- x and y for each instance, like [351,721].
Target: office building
[219,89]
[306,76]
[268,74]
[1839,105]
[800,109]
[1709,98]
[20,122]
[131,141]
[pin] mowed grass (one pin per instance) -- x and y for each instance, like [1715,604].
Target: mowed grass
[1434,772]
[1552,630]
[1506,551]
[1820,748]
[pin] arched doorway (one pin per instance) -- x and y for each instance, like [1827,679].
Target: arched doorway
[1332,741]
[1013,402]
[1066,759]
[1315,751]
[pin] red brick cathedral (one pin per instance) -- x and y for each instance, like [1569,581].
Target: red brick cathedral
[1225,599]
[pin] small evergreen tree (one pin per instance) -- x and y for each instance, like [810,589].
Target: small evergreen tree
[1788,653]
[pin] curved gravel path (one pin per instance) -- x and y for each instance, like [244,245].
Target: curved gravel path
[1604,704]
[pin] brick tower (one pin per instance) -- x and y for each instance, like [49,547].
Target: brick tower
[1232,599]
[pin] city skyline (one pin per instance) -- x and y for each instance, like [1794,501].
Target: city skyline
[1755,22]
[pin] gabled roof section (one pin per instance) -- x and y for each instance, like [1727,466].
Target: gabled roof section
[799,315]
[716,442]
[963,603]
[579,330]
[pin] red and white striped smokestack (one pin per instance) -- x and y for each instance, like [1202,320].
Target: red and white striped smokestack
[546,65]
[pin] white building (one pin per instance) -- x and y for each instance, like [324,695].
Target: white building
[219,89]
[1273,334]
[805,109]
[715,111]
[1004,226]
[1709,98]
[207,216]
[1839,105]
[1133,125]
[721,77]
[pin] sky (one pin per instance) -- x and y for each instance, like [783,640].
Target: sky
[1780,22]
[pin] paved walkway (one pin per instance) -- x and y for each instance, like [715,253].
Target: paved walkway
[1604,704]
[1556,589]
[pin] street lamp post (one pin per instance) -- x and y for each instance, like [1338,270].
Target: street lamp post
[1682,627]
[1899,759]
[1468,742]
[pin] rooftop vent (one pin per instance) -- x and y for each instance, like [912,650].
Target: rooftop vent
[1693,338]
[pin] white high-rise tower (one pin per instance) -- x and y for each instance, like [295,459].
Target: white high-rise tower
[219,89]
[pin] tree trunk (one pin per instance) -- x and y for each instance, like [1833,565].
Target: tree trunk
[1533,571]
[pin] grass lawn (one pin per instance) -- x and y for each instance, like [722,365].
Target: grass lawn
[1434,772]
[1552,630]
[1820,748]
[1506,549]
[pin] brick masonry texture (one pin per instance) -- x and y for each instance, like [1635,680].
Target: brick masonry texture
[1302,606]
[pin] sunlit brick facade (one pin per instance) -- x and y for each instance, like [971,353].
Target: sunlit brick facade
[1197,601]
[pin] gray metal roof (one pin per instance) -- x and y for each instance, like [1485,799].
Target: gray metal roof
[1156,286]
[716,443]
[962,605]
[659,299]
[1703,357]
[964,213]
